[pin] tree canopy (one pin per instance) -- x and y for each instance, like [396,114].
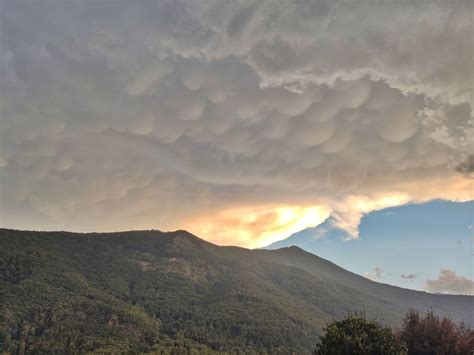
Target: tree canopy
[358,335]
[430,334]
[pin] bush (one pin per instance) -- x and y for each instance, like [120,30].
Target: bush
[358,335]
[433,335]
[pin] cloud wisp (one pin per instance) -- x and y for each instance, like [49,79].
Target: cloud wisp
[129,115]
[375,274]
[408,277]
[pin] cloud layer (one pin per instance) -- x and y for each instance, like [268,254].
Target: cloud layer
[124,115]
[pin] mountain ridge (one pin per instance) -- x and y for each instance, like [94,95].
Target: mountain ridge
[173,289]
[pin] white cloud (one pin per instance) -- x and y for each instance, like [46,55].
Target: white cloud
[376,273]
[450,282]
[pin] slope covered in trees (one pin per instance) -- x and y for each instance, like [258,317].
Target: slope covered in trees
[151,291]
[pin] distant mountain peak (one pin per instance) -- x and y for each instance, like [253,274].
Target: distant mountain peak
[327,229]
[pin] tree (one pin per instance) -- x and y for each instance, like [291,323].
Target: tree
[358,335]
[433,335]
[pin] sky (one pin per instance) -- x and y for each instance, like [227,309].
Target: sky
[428,246]
[240,121]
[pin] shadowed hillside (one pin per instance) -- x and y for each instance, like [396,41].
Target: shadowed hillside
[148,290]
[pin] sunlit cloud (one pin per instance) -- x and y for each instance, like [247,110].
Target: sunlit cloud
[450,282]
[258,225]
[348,213]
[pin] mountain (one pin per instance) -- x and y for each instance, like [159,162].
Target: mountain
[306,238]
[172,292]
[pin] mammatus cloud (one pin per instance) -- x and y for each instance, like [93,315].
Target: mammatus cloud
[128,115]
[408,277]
[450,282]
[376,273]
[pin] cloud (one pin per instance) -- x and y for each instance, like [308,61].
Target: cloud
[376,273]
[253,227]
[408,277]
[467,166]
[154,114]
[348,213]
[450,282]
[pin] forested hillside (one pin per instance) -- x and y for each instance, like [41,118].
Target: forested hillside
[173,292]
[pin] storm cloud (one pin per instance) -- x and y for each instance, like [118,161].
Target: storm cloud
[126,115]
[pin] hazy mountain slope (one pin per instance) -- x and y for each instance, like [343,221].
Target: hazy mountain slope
[392,299]
[417,239]
[138,291]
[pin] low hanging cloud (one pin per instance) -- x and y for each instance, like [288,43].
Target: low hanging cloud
[408,277]
[375,273]
[450,282]
[131,115]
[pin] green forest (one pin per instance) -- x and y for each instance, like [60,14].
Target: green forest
[173,293]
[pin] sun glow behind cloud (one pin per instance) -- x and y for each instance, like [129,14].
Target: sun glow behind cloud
[256,226]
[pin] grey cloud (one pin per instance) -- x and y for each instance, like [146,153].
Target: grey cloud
[241,20]
[450,282]
[157,109]
[408,277]
[467,166]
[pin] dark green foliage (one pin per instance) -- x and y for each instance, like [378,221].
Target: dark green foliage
[149,291]
[430,334]
[358,335]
